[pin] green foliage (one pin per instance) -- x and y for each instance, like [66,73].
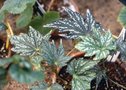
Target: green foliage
[2,27]
[100,74]
[28,44]
[39,21]
[15,7]
[82,75]
[44,86]
[25,17]
[20,70]
[3,77]
[121,44]
[94,42]
[76,25]
[98,44]
[36,61]
[25,74]
[54,55]
[122,16]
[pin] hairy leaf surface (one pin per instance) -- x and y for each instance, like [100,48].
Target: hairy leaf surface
[82,75]
[28,44]
[54,55]
[76,25]
[98,44]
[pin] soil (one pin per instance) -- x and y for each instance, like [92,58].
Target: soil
[105,12]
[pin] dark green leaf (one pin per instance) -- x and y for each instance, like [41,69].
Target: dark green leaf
[39,21]
[5,62]
[3,27]
[54,55]
[44,86]
[40,86]
[23,73]
[28,44]
[14,7]
[25,17]
[82,75]
[100,74]
[55,86]
[76,25]
[3,77]
[98,44]
[122,16]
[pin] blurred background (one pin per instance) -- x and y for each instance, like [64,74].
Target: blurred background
[104,11]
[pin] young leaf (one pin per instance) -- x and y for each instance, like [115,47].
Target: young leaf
[44,86]
[25,17]
[39,21]
[54,55]
[75,25]
[36,62]
[82,75]
[122,15]
[98,44]
[28,44]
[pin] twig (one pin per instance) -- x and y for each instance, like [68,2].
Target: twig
[70,51]
[117,84]
[9,34]
[50,5]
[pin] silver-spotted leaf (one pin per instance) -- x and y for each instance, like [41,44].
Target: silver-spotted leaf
[28,44]
[54,55]
[82,75]
[100,75]
[121,44]
[75,25]
[36,62]
[98,44]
